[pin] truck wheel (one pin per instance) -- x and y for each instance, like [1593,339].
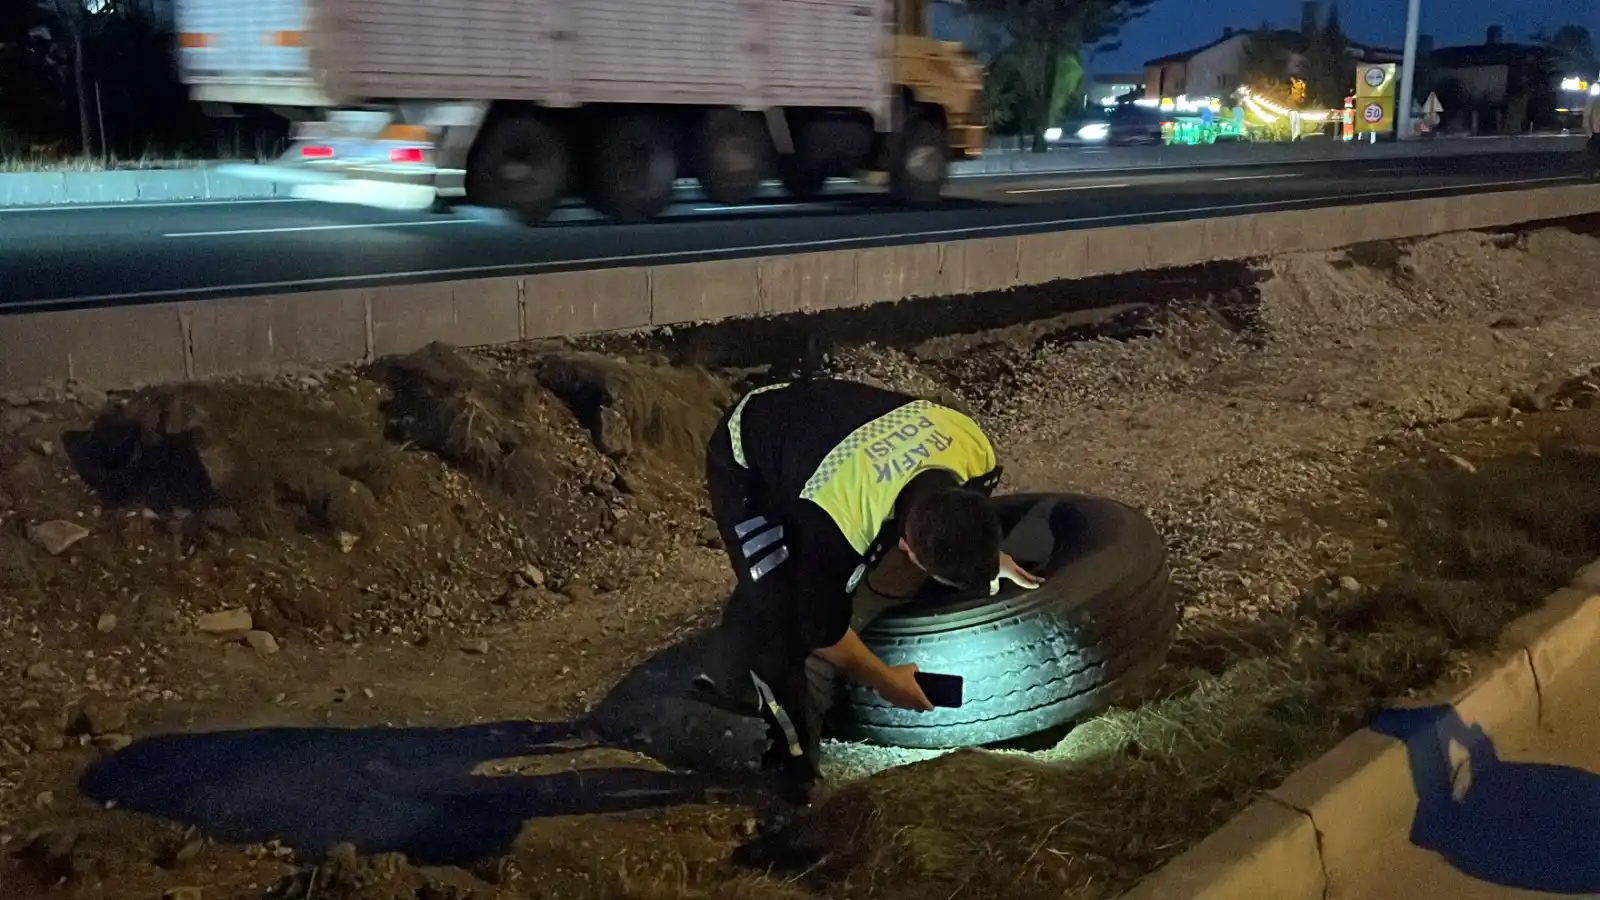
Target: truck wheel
[1032,660]
[522,166]
[802,173]
[918,174]
[633,170]
[801,181]
[732,158]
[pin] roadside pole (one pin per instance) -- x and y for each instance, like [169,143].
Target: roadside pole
[1407,129]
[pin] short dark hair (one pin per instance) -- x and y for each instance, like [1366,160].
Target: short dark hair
[955,535]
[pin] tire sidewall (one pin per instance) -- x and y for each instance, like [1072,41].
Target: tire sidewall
[803,178]
[528,141]
[725,133]
[634,169]
[1036,659]
[922,165]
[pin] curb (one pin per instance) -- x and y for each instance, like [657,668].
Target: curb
[1327,817]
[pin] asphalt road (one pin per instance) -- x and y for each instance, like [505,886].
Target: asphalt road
[90,255]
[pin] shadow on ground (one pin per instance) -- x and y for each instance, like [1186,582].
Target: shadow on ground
[1521,825]
[419,791]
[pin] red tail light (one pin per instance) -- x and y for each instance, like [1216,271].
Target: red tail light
[405,155]
[316,152]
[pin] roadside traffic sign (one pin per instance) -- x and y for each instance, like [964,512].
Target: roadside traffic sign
[1376,80]
[1374,114]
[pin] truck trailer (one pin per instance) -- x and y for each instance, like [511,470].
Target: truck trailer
[521,104]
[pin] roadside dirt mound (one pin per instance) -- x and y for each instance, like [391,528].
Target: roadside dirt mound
[652,418]
[361,502]
[257,460]
[184,484]
[507,433]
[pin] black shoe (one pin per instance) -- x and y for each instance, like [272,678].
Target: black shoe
[796,776]
[797,784]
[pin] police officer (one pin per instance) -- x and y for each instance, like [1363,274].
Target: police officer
[812,483]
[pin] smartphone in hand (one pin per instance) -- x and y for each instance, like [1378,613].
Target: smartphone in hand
[942,690]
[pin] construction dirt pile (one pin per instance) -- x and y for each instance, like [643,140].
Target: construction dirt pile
[409,631]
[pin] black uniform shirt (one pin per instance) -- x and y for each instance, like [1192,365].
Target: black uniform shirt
[785,434]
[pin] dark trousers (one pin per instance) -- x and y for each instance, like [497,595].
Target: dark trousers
[754,659]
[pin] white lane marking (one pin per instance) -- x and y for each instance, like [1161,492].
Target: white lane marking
[1394,169]
[153,204]
[606,261]
[1074,187]
[297,228]
[757,207]
[1258,177]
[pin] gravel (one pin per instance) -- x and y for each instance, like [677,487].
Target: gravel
[1223,432]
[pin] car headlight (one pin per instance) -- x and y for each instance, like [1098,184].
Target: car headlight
[1094,132]
[1052,134]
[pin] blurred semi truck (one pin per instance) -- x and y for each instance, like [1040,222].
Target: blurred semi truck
[519,104]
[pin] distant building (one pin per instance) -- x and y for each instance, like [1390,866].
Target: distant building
[1496,87]
[1104,90]
[1214,69]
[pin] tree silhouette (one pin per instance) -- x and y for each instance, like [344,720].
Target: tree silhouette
[1267,64]
[1328,70]
[1043,35]
[32,107]
[1574,50]
[108,64]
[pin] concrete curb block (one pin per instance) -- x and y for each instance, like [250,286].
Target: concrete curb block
[33,189]
[204,183]
[1267,851]
[1357,794]
[1215,155]
[118,347]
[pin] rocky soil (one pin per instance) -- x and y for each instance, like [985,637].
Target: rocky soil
[437,568]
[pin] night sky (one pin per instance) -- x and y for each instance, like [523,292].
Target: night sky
[1176,25]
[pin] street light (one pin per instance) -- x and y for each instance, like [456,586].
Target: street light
[1408,71]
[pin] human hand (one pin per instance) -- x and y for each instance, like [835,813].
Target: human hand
[900,688]
[1017,575]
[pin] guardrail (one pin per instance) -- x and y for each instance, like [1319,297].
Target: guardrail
[205,183]
[122,347]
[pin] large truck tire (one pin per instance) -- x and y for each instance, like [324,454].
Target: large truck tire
[634,166]
[1032,660]
[521,165]
[732,157]
[922,164]
[802,179]
[803,173]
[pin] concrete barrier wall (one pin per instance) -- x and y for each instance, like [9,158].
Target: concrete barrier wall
[1181,156]
[131,186]
[204,183]
[123,347]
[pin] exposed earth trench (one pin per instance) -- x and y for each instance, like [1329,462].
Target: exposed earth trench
[420,630]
